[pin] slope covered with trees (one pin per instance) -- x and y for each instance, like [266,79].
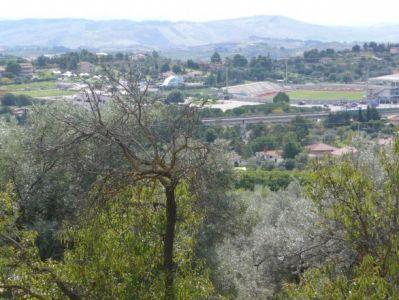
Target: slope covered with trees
[135,199]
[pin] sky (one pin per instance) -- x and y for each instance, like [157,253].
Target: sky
[325,12]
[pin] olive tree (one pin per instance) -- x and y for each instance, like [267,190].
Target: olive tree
[280,242]
[155,140]
[357,201]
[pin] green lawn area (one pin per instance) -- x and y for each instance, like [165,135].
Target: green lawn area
[199,90]
[36,89]
[326,95]
[30,86]
[44,93]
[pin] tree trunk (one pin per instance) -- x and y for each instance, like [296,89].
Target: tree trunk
[169,266]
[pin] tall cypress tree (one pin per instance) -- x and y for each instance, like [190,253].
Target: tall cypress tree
[360,117]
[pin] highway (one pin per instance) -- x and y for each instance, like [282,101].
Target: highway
[278,118]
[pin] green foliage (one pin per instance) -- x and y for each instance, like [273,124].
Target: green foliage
[115,252]
[263,253]
[177,69]
[356,48]
[8,100]
[300,126]
[260,68]
[210,135]
[49,185]
[175,97]
[291,148]
[13,68]
[338,119]
[372,114]
[281,97]
[358,203]
[22,273]
[192,64]
[165,68]
[123,246]
[215,58]
[262,143]
[239,61]
[274,180]
[367,282]
[11,100]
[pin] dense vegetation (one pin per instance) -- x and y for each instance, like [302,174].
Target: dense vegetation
[136,199]
[347,66]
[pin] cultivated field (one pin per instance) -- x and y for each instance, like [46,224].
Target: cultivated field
[35,89]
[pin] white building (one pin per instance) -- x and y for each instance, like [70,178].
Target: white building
[271,155]
[173,81]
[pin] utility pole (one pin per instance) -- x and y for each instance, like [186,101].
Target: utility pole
[227,76]
[286,71]
[367,80]
[226,92]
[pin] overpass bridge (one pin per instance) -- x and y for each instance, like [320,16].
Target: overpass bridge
[278,118]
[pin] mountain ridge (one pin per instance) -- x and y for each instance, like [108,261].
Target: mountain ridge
[75,33]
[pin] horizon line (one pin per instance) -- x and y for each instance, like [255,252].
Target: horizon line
[161,20]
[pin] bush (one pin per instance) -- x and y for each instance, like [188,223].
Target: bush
[13,100]
[5,110]
[175,97]
[281,98]
[274,180]
[8,100]
[23,100]
[291,149]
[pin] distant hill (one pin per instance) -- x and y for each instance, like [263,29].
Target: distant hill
[114,34]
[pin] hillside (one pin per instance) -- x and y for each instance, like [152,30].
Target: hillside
[113,34]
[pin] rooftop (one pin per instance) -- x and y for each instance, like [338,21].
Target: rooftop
[391,78]
[321,148]
[255,89]
[343,151]
[385,141]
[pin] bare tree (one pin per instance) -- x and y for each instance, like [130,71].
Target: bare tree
[155,139]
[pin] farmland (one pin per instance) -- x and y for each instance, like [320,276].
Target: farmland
[35,89]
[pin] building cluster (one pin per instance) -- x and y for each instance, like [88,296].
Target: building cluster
[26,70]
[318,150]
[384,89]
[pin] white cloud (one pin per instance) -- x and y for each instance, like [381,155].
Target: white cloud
[337,12]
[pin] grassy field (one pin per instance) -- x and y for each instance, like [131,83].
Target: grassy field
[35,89]
[326,95]
[44,93]
[30,86]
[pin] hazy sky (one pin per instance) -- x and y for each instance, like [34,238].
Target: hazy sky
[330,12]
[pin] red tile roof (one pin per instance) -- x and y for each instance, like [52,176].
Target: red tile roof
[321,148]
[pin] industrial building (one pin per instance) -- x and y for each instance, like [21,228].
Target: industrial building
[384,89]
[263,89]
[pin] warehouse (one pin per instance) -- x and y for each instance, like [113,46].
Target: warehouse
[384,89]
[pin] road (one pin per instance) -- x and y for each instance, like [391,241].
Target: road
[278,118]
